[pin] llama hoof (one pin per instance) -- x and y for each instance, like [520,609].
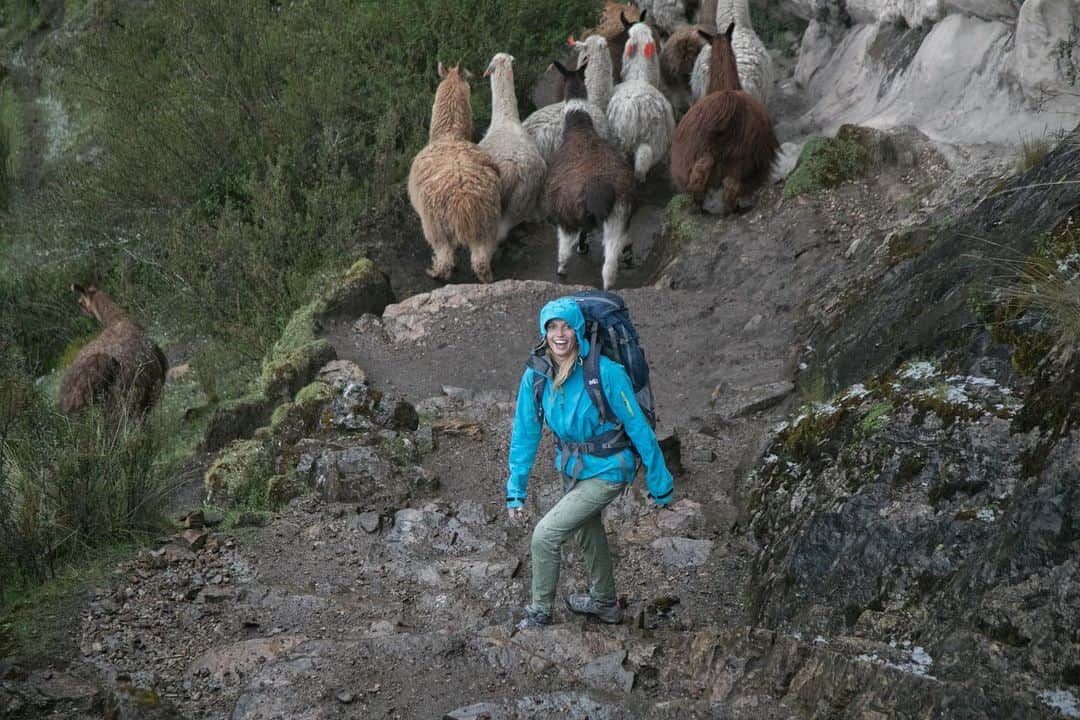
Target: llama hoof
[442,277]
[582,247]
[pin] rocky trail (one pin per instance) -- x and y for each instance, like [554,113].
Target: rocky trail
[821,565]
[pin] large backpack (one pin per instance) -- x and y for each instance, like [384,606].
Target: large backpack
[609,332]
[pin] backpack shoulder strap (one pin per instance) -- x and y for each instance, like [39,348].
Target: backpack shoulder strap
[541,366]
[590,366]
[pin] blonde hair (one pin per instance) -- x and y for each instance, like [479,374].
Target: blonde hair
[566,367]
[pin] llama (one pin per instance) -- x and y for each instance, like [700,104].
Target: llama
[545,125]
[726,139]
[615,24]
[721,13]
[599,84]
[454,185]
[641,117]
[667,15]
[121,366]
[589,182]
[521,167]
[677,58]
[755,64]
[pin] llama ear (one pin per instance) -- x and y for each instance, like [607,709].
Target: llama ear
[625,23]
[730,30]
[641,17]
[560,67]
[77,288]
[708,37]
[442,70]
[465,72]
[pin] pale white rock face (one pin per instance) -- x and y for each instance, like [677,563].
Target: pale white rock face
[815,49]
[1043,49]
[960,86]
[912,12]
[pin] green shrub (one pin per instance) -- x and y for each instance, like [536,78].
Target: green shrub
[826,163]
[1033,150]
[68,485]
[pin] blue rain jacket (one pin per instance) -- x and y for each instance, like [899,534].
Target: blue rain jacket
[573,417]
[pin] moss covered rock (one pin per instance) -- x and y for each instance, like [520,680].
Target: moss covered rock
[235,419]
[362,289]
[826,163]
[240,475]
[287,372]
[305,412]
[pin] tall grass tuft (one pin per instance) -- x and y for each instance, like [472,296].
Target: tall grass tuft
[69,484]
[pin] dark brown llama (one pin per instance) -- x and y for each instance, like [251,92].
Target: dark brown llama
[121,366]
[726,138]
[589,183]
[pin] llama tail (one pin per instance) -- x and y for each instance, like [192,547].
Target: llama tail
[699,174]
[643,160]
[599,198]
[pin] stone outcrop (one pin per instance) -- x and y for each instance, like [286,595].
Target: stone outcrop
[962,72]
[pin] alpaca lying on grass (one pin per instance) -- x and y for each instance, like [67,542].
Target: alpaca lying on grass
[521,167]
[641,117]
[726,139]
[454,185]
[589,183]
[121,366]
[545,125]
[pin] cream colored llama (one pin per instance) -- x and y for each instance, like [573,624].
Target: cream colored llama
[521,167]
[454,185]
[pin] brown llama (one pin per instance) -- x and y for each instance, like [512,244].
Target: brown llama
[589,182]
[726,138]
[122,365]
[454,185]
[615,24]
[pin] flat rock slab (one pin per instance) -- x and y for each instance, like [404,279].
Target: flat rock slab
[542,707]
[683,552]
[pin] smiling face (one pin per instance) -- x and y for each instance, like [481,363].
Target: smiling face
[561,340]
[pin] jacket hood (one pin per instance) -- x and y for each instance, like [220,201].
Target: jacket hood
[566,309]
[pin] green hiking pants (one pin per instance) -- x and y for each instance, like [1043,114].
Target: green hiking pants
[577,513]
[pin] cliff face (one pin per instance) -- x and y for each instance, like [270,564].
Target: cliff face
[962,72]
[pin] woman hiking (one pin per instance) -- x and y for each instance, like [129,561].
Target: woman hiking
[592,477]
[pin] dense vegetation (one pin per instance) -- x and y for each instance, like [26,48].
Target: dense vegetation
[208,164]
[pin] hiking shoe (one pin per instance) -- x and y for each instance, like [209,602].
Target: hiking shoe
[533,619]
[583,604]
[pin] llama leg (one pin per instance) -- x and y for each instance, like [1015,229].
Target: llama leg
[732,191]
[643,160]
[616,238]
[567,239]
[506,224]
[480,254]
[442,260]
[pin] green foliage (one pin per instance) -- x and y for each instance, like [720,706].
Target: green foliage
[246,147]
[772,30]
[68,485]
[826,163]
[875,418]
[241,476]
[1033,150]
